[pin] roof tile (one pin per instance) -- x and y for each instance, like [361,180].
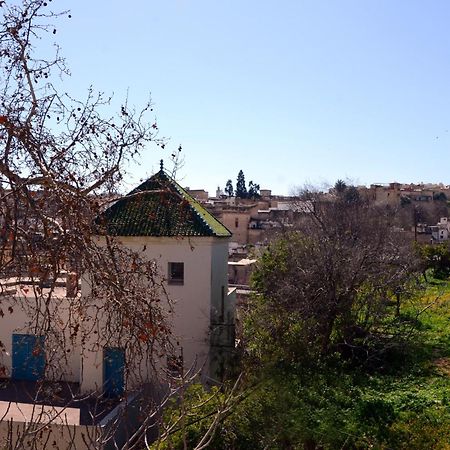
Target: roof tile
[159,207]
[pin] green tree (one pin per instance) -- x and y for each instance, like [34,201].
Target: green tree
[340,186]
[253,190]
[324,286]
[440,197]
[241,189]
[437,258]
[348,193]
[405,200]
[351,195]
[229,190]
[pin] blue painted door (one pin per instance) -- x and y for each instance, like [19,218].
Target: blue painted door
[113,371]
[28,357]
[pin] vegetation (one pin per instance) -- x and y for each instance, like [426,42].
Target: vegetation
[328,285]
[401,403]
[345,346]
[229,190]
[61,162]
[347,193]
[241,190]
[435,258]
[253,190]
[440,196]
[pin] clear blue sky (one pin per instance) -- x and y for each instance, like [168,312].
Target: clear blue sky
[288,91]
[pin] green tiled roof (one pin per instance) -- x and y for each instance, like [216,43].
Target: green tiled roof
[159,207]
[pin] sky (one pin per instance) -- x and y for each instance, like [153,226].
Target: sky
[291,92]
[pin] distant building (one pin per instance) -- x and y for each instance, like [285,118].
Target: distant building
[394,194]
[440,232]
[199,194]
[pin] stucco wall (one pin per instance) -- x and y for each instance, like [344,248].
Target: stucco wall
[63,361]
[240,218]
[59,437]
[196,303]
[205,272]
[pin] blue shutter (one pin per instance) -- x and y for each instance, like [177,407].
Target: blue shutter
[28,357]
[113,371]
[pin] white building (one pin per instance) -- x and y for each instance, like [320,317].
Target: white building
[165,224]
[440,232]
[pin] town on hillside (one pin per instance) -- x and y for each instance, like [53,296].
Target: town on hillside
[148,315]
[196,262]
[254,218]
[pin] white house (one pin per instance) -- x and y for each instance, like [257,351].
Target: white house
[190,247]
[440,232]
[162,222]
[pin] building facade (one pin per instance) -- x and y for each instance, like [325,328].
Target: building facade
[190,248]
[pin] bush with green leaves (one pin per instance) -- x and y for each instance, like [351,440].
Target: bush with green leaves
[332,287]
[435,258]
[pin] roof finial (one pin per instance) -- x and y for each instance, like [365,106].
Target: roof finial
[161,163]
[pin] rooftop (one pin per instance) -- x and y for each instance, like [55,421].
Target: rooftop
[60,402]
[159,207]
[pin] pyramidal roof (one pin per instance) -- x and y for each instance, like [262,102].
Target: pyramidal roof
[159,207]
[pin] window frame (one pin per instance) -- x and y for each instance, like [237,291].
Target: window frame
[175,280]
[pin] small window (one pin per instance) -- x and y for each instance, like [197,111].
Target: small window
[236,222]
[176,273]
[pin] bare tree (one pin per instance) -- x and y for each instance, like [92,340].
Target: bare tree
[61,161]
[329,283]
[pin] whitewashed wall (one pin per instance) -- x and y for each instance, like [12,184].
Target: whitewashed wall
[205,272]
[63,363]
